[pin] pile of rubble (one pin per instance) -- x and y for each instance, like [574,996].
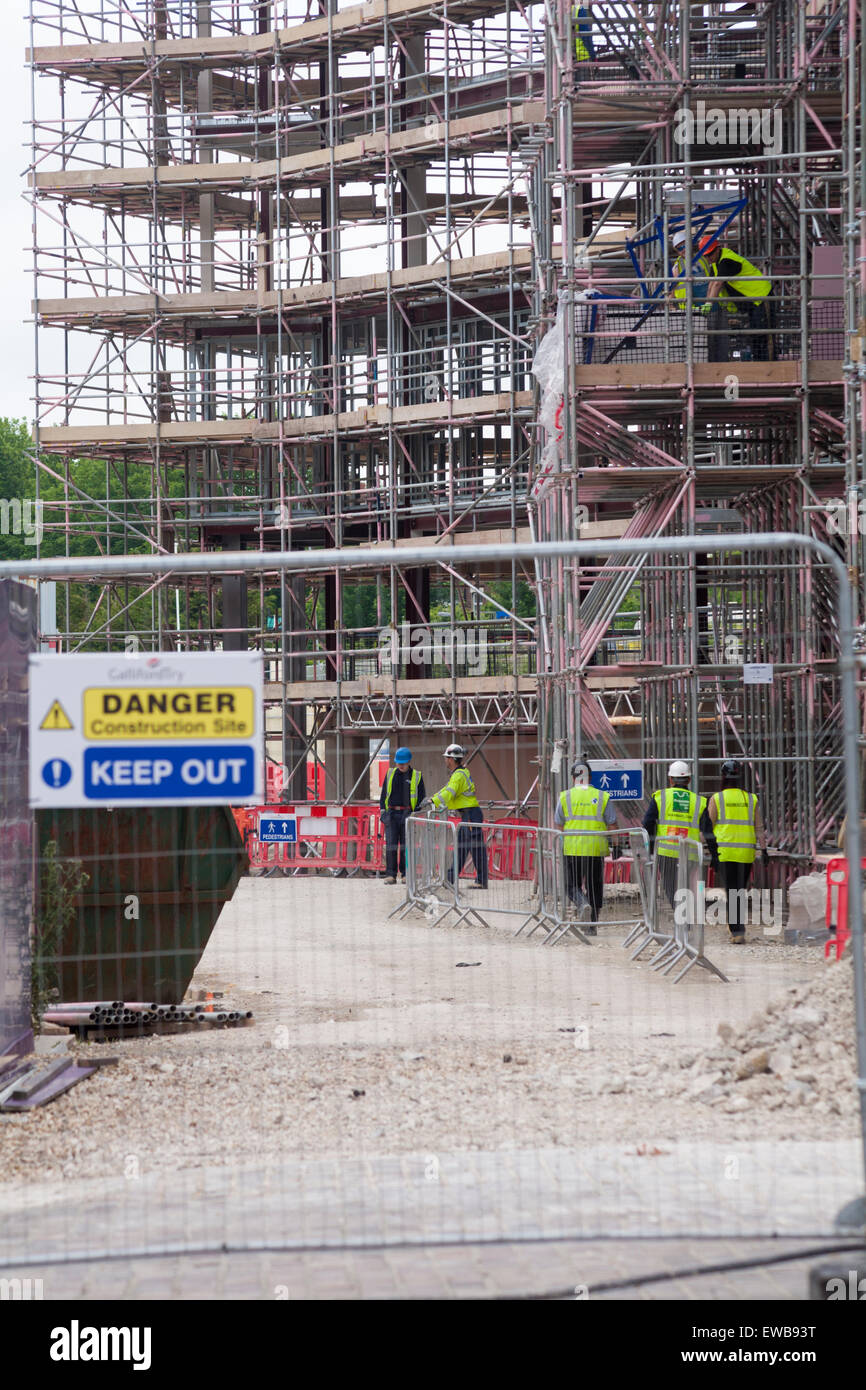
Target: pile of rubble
[799,1051]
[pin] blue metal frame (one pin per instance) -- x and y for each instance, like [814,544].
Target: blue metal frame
[701,219]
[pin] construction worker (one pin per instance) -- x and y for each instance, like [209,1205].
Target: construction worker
[402,791]
[736,284]
[458,795]
[584,48]
[737,830]
[701,273]
[584,812]
[675,813]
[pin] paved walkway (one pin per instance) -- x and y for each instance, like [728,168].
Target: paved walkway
[683,1190]
[560,1269]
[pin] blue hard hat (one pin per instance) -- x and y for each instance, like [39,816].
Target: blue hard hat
[403,755]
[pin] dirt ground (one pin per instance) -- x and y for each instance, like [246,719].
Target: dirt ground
[375,1036]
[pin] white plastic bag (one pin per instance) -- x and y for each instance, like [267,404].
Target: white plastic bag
[548,366]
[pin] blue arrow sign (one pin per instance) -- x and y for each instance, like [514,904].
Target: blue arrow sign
[278,830]
[623,781]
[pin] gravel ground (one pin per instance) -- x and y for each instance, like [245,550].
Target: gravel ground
[374,1036]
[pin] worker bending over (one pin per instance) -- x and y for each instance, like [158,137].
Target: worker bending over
[735,285]
[458,795]
[584,812]
[675,813]
[737,831]
[402,791]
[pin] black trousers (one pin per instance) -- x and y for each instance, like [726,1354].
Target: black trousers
[721,326]
[735,877]
[395,842]
[667,871]
[585,874]
[470,844]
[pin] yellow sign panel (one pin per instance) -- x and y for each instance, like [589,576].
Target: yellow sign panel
[56,718]
[157,712]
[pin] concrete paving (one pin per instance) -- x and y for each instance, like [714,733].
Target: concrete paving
[648,1270]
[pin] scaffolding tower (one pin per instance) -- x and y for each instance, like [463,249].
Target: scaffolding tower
[292,266]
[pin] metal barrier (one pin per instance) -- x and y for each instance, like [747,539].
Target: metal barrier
[521,855]
[680,936]
[431,883]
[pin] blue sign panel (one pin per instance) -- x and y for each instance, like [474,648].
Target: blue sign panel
[166,772]
[274,830]
[622,781]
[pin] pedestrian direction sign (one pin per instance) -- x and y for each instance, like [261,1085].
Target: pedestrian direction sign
[145,729]
[621,778]
[278,830]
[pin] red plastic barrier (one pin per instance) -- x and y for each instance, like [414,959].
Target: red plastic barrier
[511,849]
[274,782]
[617,871]
[355,840]
[348,838]
[837,880]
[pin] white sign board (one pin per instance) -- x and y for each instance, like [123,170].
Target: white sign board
[758,673]
[622,778]
[159,729]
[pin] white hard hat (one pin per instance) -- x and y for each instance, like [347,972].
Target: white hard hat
[679,768]
[678,239]
[454,750]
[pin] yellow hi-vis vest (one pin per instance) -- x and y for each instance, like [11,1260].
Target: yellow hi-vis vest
[749,281]
[582,31]
[414,780]
[700,267]
[458,794]
[679,817]
[583,809]
[735,825]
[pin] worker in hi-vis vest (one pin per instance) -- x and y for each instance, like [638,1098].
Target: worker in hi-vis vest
[402,792]
[701,273]
[584,812]
[584,48]
[736,284]
[675,813]
[458,795]
[737,834]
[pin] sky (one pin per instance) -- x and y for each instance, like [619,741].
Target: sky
[16,329]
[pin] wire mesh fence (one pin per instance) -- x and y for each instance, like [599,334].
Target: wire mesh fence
[305,1060]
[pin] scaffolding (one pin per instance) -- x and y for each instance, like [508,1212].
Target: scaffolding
[747,128]
[291,269]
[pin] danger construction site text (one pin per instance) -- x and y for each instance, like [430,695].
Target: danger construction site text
[214,712]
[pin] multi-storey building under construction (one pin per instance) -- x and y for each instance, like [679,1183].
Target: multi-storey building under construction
[292,270]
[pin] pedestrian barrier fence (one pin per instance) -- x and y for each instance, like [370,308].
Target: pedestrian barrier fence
[837,906]
[342,839]
[672,894]
[349,840]
[527,875]
[556,899]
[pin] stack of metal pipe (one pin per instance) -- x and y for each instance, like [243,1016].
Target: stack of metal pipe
[119,1015]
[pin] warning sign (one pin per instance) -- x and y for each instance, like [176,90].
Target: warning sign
[56,718]
[146,729]
[168,712]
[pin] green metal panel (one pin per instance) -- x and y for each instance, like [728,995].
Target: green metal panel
[157,879]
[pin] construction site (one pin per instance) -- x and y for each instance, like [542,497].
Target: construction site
[392,345]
